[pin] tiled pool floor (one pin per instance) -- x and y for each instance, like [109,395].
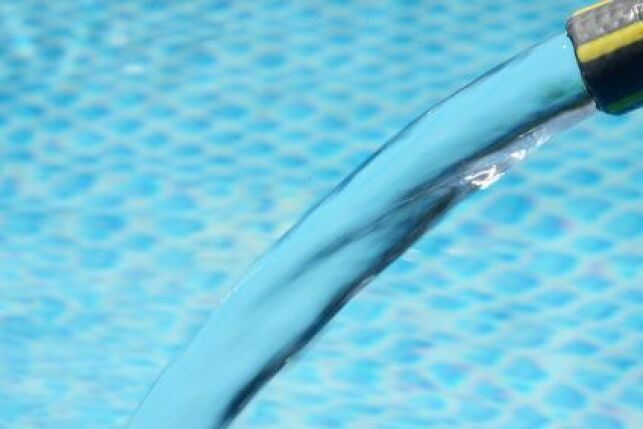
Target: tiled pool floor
[150,150]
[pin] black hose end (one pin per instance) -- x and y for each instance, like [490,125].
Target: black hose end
[608,40]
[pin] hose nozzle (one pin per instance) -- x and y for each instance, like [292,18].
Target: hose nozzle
[608,39]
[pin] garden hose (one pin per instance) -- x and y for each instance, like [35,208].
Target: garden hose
[608,40]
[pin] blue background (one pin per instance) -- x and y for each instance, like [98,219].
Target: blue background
[150,150]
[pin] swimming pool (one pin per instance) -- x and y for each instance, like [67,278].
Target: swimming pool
[152,150]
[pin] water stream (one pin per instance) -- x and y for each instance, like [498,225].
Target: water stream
[463,144]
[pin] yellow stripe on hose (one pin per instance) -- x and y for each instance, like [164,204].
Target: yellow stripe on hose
[610,42]
[592,7]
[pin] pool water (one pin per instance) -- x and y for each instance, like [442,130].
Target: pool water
[150,151]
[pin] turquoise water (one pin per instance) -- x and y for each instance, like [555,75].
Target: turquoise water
[464,143]
[152,150]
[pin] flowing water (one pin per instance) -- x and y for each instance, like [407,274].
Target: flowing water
[465,143]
